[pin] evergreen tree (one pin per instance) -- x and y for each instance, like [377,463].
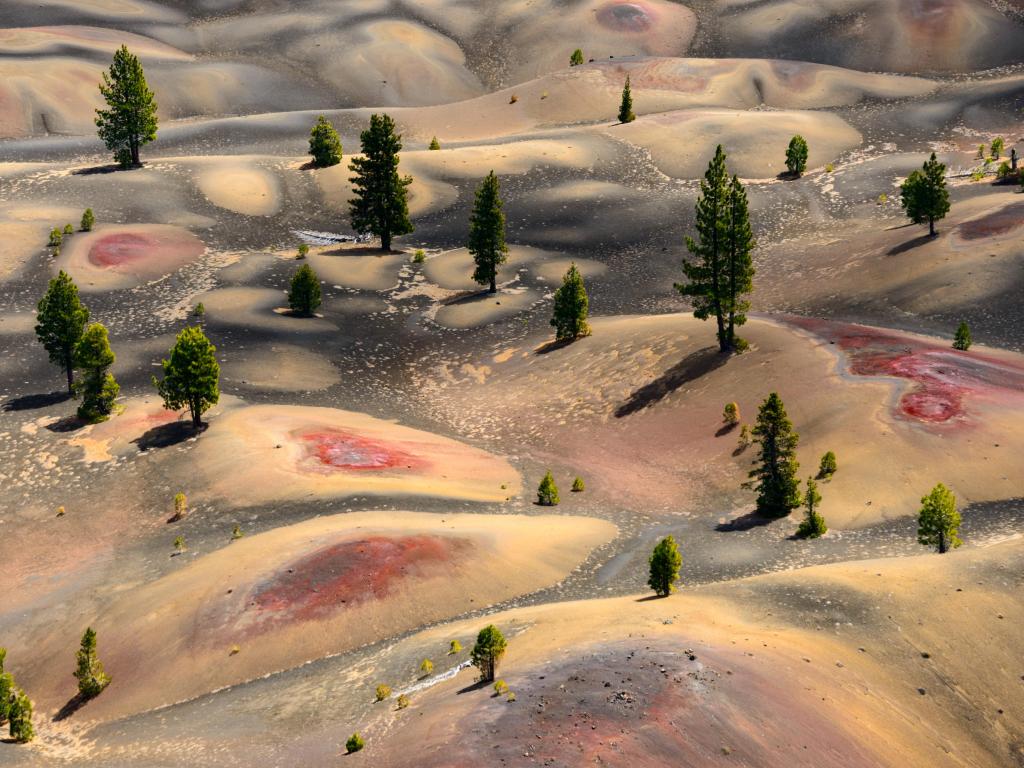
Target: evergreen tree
[739,265]
[577,485]
[577,58]
[796,156]
[487,233]
[304,294]
[354,743]
[191,375]
[486,654]
[129,122]
[731,414]
[547,492]
[997,147]
[20,718]
[6,689]
[924,196]
[813,525]
[88,219]
[938,522]
[434,144]
[93,356]
[60,323]
[324,143]
[778,489]
[827,467]
[379,204]
[962,339]
[571,305]
[626,106]
[665,563]
[90,675]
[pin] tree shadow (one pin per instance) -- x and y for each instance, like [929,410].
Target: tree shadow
[477,686]
[649,598]
[739,449]
[553,346]
[361,250]
[744,523]
[691,367]
[73,704]
[108,168]
[166,435]
[896,250]
[725,429]
[32,402]
[788,176]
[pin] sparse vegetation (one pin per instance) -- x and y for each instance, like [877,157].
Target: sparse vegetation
[68,230]
[303,251]
[454,647]
[379,203]
[60,324]
[304,292]
[827,466]
[324,144]
[569,316]
[829,167]
[383,692]
[513,99]
[938,522]
[981,151]
[778,489]
[500,687]
[997,147]
[626,105]
[236,533]
[487,233]
[796,156]
[427,667]
[99,390]
[19,717]
[731,414]
[56,237]
[577,58]
[434,144]
[1003,171]
[354,743]
[179,544]
[547,492]
[511,697]
[419,256]
[813,525]
[88,220]
[180,507]
[745,438]
[89,672]
[962,337]
[402,701]
[486,654]
[130,120]
[924,196]
[665,562]
[191,376]
[577,485]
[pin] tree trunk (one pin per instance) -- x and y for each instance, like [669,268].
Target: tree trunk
[71,374]
[494,281]
[197,416]
[135,152]
[723,339]
[385,241]
[931,226]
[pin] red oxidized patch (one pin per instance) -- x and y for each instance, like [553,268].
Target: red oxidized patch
[335,449]
[625,17]
[117,250]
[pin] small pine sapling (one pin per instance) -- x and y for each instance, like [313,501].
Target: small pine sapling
[426,667]
[180,507]
[68,229]
[547,492]
[577,485]
[500,688]
[383,692]
[827,467]
[434,144]
[303,251]
[731,414]
[813,525]
[454,647]
[354,743]
[179,545]
[236,533]
[88,220]
[962,338]
[403,701]
[55,238]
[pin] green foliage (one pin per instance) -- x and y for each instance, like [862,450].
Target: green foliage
[419,256]
[975,175]
[6,692]
[179,544]
[68,229]
[547,492]
[236,533]
[924,196]
[199,310]
[723,273]
[731,414]
[191,375]
[324,143]
[778,489]
[426,666]
[90,675]
[130,121]
[577,58]
[665,563]
[60,323]
[745,438]
[827,467]
[577,485]
[487,233]
[88,220]
[434,144]
[304,293]
[813,525]
[403,701]
[626,105]
[883,199]
[829,167]
[938,522]
[303,251]
[56,237]
[180,506]
[796,156]
[454,647]
[19,717]
[981,151]
[486,654]
[93,356]
[354,743]
[962,338]
[997,147]
[511,697]
[1003,171]
[383,692]
[569,316]
[500,687]
[379,204]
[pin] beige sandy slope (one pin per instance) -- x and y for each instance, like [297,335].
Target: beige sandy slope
[25,231]
[51,40]
[280,368]
[240,185]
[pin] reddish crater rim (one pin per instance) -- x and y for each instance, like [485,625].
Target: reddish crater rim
[336,449]
[625,17]
[352,572]
[122,248]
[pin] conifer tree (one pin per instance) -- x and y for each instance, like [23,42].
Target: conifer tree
[191,375]
[434,144]
[379,205]
[304,294]
[778,489]
[60,323]
[88,220]
[130,121]
[796,156]
[665,563]
[827,466]
[487,233]
[571,306]
[90,675]
[924,196]
[962,339]
[547,492]
[577,58]
[739,265]
[93,356]
[20,718]
[486,654]
[938,522]
[324,143]
[626,105]
[6,689]
[813,525]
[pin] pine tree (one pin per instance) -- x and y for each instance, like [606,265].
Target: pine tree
[486,654]
[665,563]
[626,106]
[60,323]
[191,375]
[962,339]
[304,294]
[354,743]
[827,466]
[6,689]
[487,233]
[796,156]
[88,220]
[778,489]
[20,718]
[434,144]
[722,272]
[924,196]
[380,204]
[731,414]
[547,492]
[938,522]
[571,305]
[93,356]
[129,122]
[324,143]
[813,525]
[577,58]
[90,675]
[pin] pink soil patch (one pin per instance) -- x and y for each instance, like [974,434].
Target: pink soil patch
[943,379]
[118,250]
[338,450]
[350,573]
[997,223]
[625,17]
[143,251]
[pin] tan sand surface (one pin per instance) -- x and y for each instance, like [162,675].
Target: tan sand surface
[241,186]
[280,368]
[485,308]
